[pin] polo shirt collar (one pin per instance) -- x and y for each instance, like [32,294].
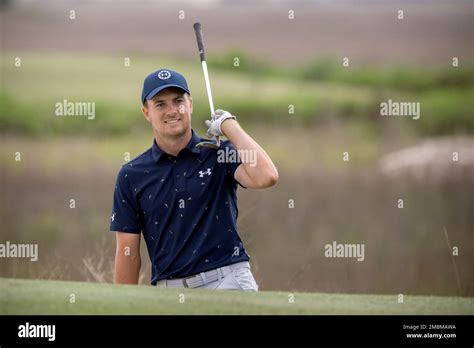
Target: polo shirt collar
[157,152]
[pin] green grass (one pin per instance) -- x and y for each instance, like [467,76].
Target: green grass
[256,93]
[19,296]
[331,70]
[58,155]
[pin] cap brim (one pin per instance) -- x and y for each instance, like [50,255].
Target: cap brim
[159,89]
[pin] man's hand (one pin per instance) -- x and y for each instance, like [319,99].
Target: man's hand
[214,126]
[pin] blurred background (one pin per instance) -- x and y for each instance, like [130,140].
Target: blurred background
[284,79]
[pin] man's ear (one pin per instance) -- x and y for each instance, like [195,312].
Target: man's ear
[145,112]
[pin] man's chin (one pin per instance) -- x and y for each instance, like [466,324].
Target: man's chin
[176,133]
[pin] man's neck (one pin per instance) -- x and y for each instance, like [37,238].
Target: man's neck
[173,145]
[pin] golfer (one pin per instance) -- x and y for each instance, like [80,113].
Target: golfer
[182,197]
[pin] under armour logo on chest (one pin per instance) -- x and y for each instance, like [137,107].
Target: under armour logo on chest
[207,172]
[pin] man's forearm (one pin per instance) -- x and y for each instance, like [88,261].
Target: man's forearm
[127,269]
[263,170]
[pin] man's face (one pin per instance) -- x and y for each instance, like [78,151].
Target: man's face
[169,112]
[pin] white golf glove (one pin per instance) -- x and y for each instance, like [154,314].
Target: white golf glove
[214,125]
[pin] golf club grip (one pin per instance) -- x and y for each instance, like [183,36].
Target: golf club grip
[198,31]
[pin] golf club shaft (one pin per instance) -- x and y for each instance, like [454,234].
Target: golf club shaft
[202,55]
[208,85]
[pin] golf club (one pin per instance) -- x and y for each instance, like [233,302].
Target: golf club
[198,32]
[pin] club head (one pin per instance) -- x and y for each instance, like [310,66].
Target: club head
[207,144]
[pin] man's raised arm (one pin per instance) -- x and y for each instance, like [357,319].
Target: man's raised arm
[258,174]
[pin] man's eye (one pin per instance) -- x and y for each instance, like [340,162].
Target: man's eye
[180,100]
[159,105]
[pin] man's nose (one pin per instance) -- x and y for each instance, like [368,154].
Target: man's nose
[177,109]
[173,110]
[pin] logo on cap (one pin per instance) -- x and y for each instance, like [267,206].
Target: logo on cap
[164,74]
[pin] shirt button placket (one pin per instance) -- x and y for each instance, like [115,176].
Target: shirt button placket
[178,175]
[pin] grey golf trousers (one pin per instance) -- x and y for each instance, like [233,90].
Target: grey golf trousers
[236,276]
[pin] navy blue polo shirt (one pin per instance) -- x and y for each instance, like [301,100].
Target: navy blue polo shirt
[185,206]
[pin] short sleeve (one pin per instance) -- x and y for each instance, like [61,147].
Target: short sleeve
[233,160]
[125,211]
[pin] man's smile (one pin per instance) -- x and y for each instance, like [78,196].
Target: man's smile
[175,120]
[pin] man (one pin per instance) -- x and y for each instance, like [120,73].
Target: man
[183,197]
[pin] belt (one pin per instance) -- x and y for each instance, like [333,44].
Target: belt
[202,278]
